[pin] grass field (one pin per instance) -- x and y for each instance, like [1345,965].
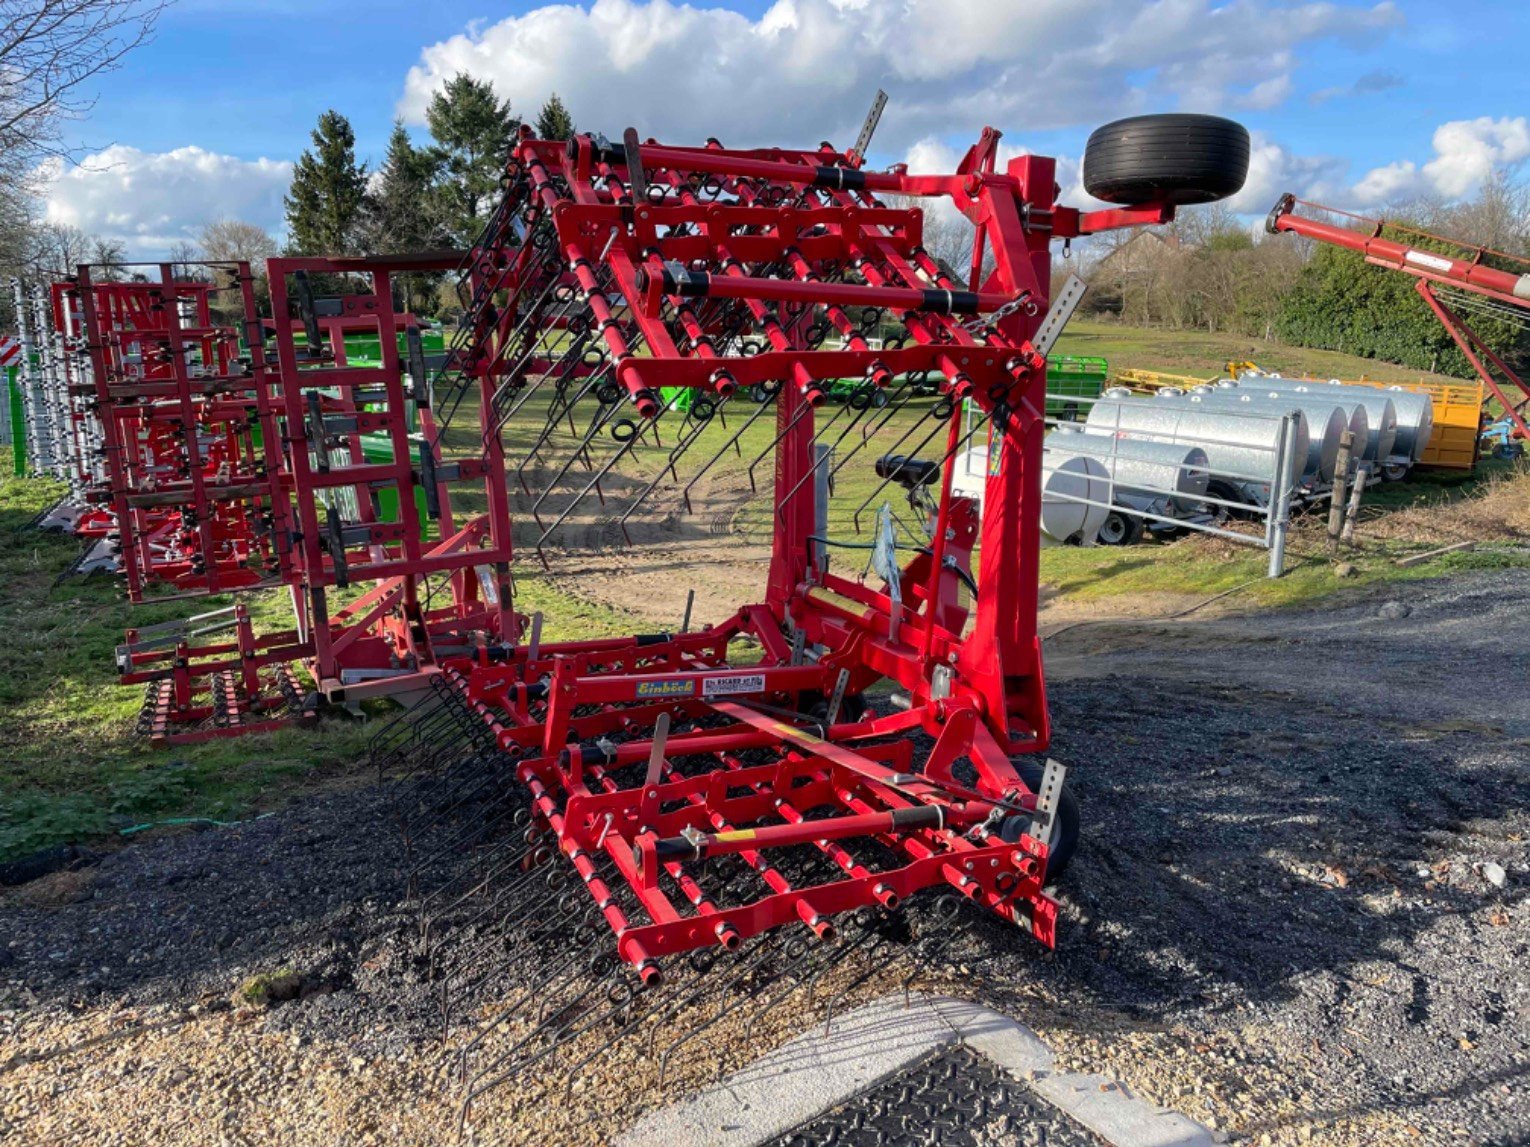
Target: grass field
[73,770]
[1203,355]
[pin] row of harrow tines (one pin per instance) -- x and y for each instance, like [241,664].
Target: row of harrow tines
[727,811]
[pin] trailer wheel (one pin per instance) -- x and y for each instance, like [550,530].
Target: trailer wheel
[1228,493]
[1394,472]
[1063,842]
[1120,529]
[1175,160]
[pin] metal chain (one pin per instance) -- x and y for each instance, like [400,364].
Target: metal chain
[1023,302]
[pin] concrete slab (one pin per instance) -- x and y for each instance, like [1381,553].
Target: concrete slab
[816,1072]
[810,1074]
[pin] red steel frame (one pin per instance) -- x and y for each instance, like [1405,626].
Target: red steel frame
[191,494]
[1432,268]
[385,640]
[189,484]
[196,508]
[770,231]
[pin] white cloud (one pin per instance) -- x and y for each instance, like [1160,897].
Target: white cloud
[805,69]
[150,200]
[1466,152]
[1274,169]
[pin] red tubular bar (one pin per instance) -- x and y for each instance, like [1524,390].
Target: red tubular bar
[1429,268]
[1502,285]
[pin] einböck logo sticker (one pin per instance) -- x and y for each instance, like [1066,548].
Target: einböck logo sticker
[670,687]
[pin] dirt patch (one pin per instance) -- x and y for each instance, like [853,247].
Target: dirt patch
[55,889]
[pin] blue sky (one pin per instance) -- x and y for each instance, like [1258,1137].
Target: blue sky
[1357,101]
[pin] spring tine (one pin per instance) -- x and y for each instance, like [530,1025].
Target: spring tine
[450,797]
[766,947]
[535,886]
[810,951]
[947,909]
[602,416]
[522,947]
[547,331]
[452,393]
[802,412]
[547,429]
[683,443]
[520,851]
[618,994]
[586,937]
[563,403]
[469,332]
[834,446]
[622,452]
[867,934]
[733,442]
[512,855]
[894,951]
[547,886]
[514,393]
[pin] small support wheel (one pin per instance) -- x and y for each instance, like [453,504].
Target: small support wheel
[1062,841]
[1394,472]
[1227,492]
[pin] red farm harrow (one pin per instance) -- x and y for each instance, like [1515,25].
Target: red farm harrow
[759,797]
[656,805]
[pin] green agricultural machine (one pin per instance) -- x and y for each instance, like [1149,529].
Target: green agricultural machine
[1070,378]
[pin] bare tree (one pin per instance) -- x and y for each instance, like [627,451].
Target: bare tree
[185,260]
[58,248]
[1499,217]
[108,255]
[50,51]
[235,241]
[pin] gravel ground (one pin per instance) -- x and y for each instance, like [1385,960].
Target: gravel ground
[1301,912]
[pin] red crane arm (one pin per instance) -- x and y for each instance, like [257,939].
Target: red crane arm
[1506,286]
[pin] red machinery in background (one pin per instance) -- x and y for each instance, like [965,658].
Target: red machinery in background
[1495,278]
[278,470]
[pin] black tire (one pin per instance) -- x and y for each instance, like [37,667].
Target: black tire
[1065,828]
[1228,493]
[1120,529]
[879,398]
[1173,159]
